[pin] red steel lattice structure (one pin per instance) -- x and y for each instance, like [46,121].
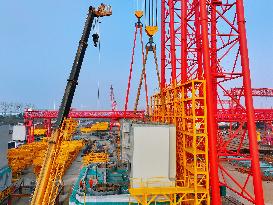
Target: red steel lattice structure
[206,39]
[228,112]
[260,92]
[51,114]
[238,94]
[237,115]
[48,115]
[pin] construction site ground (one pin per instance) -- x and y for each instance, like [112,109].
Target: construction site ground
[72,173]
[267,186]
[69,180]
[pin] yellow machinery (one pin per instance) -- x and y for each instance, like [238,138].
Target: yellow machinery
[95,158]
[54,163]
[259,136]
[161,190]
[185,106]
[33,154]
[56,160]
[40,131]
[22,157]
[69,151]
[99,126]
[5,193]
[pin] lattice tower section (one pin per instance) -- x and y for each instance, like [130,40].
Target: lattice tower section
[185,107]
[206,39]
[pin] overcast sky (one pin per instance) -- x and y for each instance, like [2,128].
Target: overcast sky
[38,42]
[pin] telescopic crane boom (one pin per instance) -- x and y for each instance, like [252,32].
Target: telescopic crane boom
[72,81]
[49,181]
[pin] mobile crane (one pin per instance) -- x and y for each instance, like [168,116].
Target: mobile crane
[50,178]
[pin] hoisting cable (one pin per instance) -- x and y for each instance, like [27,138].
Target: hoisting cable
[143,76]
[145,10]
[151,30]
[97,36]
[138,26]
[149,12]
[152,12]
[156,17]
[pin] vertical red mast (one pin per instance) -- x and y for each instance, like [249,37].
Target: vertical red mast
[211,101]
[206,39]
[253,147]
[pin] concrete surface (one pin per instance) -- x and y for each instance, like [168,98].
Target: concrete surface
[267,186]
[70,178]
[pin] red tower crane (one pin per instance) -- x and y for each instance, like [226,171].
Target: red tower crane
[206,39]
[114,107]
[112,98]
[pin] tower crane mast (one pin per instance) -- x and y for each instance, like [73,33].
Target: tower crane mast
[113,100]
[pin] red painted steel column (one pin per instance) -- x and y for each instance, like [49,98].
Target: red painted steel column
[163,44]
[214,53]
[212,126]
[198,40]
[172,40]
[30,131]
[257,181]
[31,136]
[47,123]
[184,53]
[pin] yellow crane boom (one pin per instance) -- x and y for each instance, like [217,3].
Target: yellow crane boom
[52,170]
[49,180]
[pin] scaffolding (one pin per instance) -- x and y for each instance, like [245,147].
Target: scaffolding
[184,105]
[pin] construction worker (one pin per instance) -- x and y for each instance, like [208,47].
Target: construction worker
[95,37]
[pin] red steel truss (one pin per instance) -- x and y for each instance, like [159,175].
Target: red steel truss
[260,92]
[51,114]
[235,115]
[48,115]
[206,39]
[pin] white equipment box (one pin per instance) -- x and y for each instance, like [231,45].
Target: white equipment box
[19,133]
